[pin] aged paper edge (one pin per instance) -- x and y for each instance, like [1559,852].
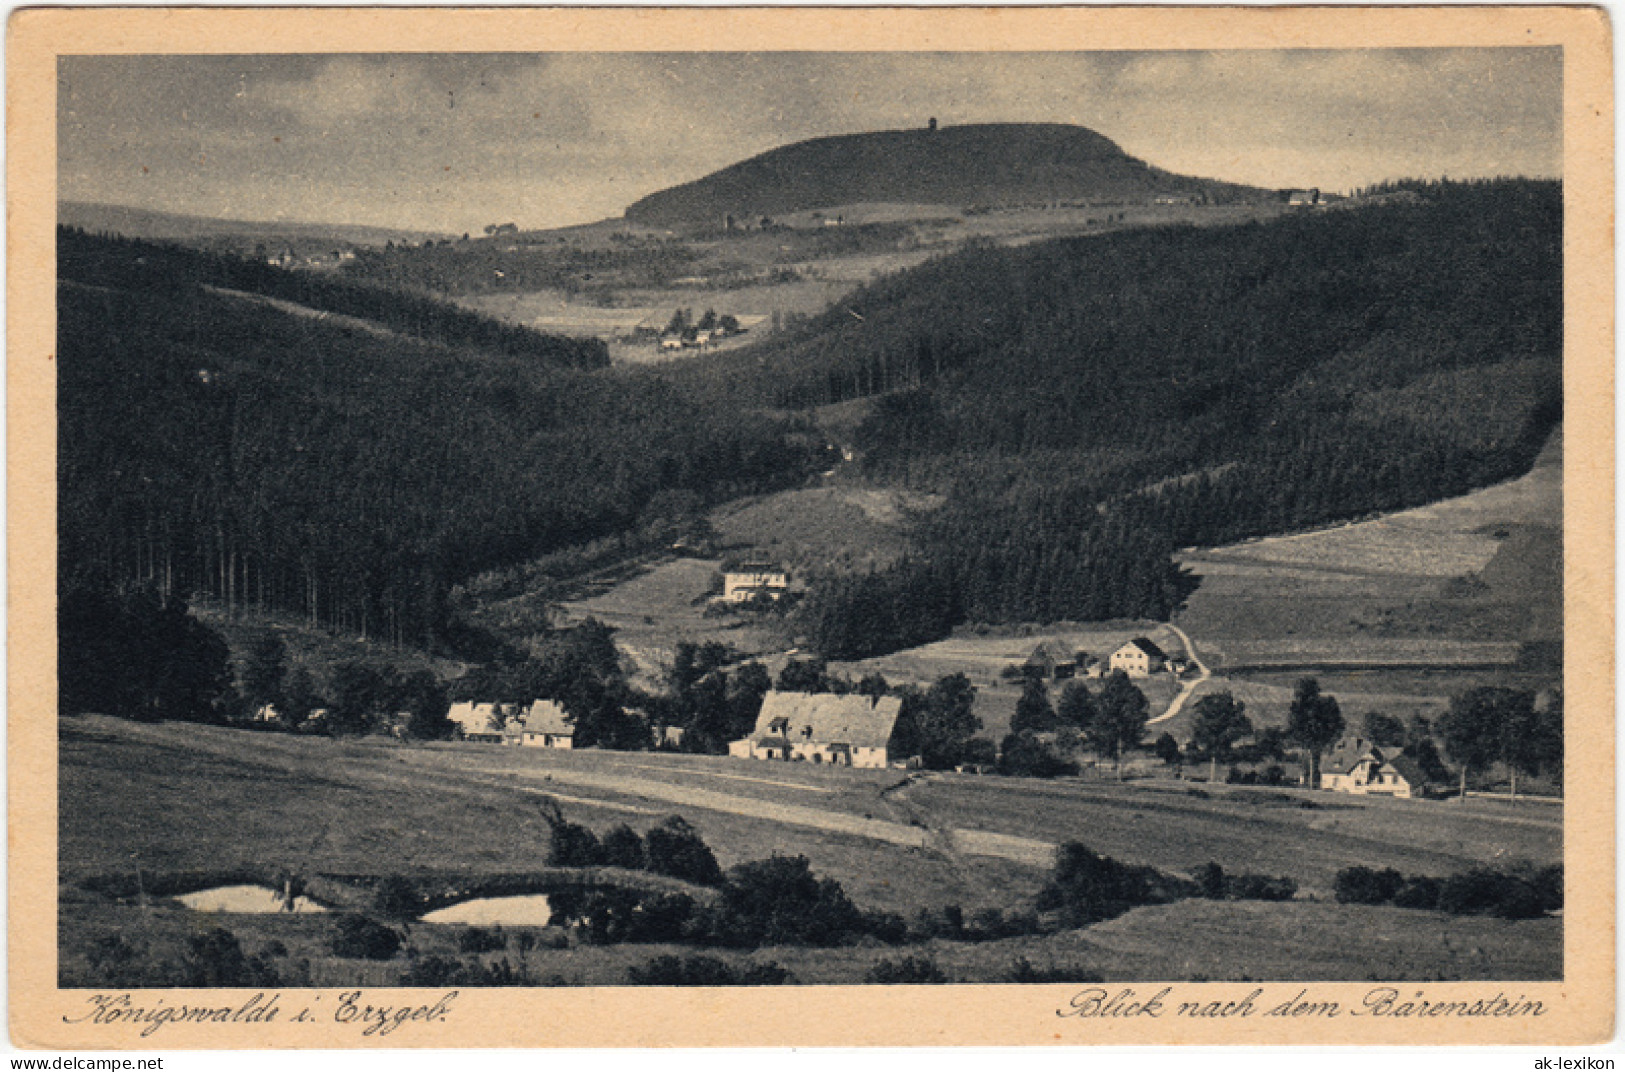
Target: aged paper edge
[1581,1006]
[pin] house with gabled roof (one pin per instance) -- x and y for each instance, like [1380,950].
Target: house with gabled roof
[1052,659]
[479,721]
[1356,765]
[1138,658]
[848,731]
[545,725]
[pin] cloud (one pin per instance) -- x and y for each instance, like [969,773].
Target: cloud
[441,141]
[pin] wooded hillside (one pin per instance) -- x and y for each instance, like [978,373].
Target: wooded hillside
[984,164]
[1091,404]
[348,471]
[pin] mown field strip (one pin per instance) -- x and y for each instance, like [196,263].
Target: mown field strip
[968,842]
[589,802]
[732,777]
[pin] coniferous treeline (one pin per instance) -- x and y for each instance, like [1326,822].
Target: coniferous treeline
[130,264]
[214,445]
[1090,405]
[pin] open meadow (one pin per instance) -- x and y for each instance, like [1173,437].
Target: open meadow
[162,807]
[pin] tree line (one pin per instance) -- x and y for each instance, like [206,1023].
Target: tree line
[1088,405]
[214,446]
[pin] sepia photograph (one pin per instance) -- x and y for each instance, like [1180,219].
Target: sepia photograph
[1085,521]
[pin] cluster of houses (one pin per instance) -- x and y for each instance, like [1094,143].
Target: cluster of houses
[1139,658]
[542,724]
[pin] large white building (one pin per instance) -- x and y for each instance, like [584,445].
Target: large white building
[1138,658]
[848,731]
[745,583]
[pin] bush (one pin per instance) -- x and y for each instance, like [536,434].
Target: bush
[623,847]
[1261,888]
[358,937]
[675,848]
[1215,885]
[1548,883]
[1418,891]
[215,959]
[1362,885]
[573,845]
[1210,879]
[779,901]
[1023,972]
[1485,892]
[888,927]
[397,898]
[481,940]
[1025,756]
[1087,888]
[905,970]
[668,970]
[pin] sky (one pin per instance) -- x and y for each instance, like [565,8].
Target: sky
[450,143]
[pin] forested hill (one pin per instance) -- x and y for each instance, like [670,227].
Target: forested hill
[131,264]
[214,444]
[1091,404]
[985,164]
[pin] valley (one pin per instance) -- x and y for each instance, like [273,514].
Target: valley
[424,570]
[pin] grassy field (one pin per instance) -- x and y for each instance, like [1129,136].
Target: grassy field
[171,798]
[1463,580]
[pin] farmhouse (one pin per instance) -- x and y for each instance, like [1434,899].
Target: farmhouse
[479,721]
[848,731]
[1053,659]
[1138,658]
[1356,765]
[545,725]
[753,579]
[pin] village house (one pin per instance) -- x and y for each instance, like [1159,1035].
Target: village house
[848,731]
[1138,658]
[1052,659]
[479,721]
[544,725]
[1356,765]
[746,582]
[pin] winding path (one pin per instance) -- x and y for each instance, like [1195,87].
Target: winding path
[1203,673]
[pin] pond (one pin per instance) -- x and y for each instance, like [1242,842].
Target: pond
[254,900]
[529,910]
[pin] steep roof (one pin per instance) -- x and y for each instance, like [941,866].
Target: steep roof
[852,719]
[477,717]
[1051,652]
[1410,770]
[546,716]
[1347,754]
[1144,644]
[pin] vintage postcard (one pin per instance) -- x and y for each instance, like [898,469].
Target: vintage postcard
[796,527]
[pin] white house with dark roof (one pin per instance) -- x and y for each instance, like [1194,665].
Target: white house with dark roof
[1356,765]
[545,725]
[848,731]
[750,580]
[1138,658]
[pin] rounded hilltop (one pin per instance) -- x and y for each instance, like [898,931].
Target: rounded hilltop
[982,164]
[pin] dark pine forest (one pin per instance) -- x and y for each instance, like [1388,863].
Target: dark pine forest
[1089,405]
[351,471]
[1086,406]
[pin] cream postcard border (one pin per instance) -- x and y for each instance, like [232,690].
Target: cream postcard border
[1580,1009]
